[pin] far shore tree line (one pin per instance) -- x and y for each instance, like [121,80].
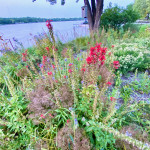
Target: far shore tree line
[33,20]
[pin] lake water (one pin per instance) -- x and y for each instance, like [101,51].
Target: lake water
[66,31]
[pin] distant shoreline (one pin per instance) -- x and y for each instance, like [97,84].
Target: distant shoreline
[24,20]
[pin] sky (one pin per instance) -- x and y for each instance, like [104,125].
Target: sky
[43,9]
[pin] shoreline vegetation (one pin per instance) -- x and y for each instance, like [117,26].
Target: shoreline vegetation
[6,21]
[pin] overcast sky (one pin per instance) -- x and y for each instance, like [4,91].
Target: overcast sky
[41,8]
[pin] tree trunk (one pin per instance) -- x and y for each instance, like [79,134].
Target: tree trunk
[94,11]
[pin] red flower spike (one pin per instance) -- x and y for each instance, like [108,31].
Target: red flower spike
[53,66]
[49,73]
[89,60]
[112,98]
[109,83]
[70,70]
[65,77]
[49,25]
[116,64]
[68,120]
[112,46]
[109,53]
[70,64]
[47,48]
[83,69]
[97,53]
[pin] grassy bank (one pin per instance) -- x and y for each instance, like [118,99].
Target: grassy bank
[78,95]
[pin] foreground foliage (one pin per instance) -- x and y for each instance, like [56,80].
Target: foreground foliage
[54,98]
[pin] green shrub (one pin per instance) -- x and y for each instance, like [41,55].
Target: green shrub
[114,17]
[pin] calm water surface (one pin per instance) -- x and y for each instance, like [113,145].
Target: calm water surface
[67,30]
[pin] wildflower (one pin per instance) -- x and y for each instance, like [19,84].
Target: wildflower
[87,124]
[53,66]
[89,60]
[42,116]
[24,59]
[109,83]
[112,46]
[88,42]
[83,65]
[83,119]
[47,48]
[102,62]
[112,98]
[82,82]
[44,60]
[116,64]
[70,70]
[56,81]
[49,25]
[68,120]
[51,115]
[128,134]
[78,59]
[109,53]
[53,78]
[65,59]
[26,66]
[83,69]
[65,77]
[75,121]
[41,65]
[70,64]
[70,108]
[24,56]
[49,73]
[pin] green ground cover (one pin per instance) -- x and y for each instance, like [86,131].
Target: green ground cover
[88,94]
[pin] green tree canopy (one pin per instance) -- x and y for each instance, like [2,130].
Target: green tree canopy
[142,7]
[114,17]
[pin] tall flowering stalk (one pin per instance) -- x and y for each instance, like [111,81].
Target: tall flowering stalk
[50,28]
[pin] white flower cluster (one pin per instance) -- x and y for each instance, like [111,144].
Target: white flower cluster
[130,60]
[131,53]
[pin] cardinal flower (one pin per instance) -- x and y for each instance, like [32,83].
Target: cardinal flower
[112,98]
[49,73]
[109,83]
[116,64]
[70,70]
[47,48]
